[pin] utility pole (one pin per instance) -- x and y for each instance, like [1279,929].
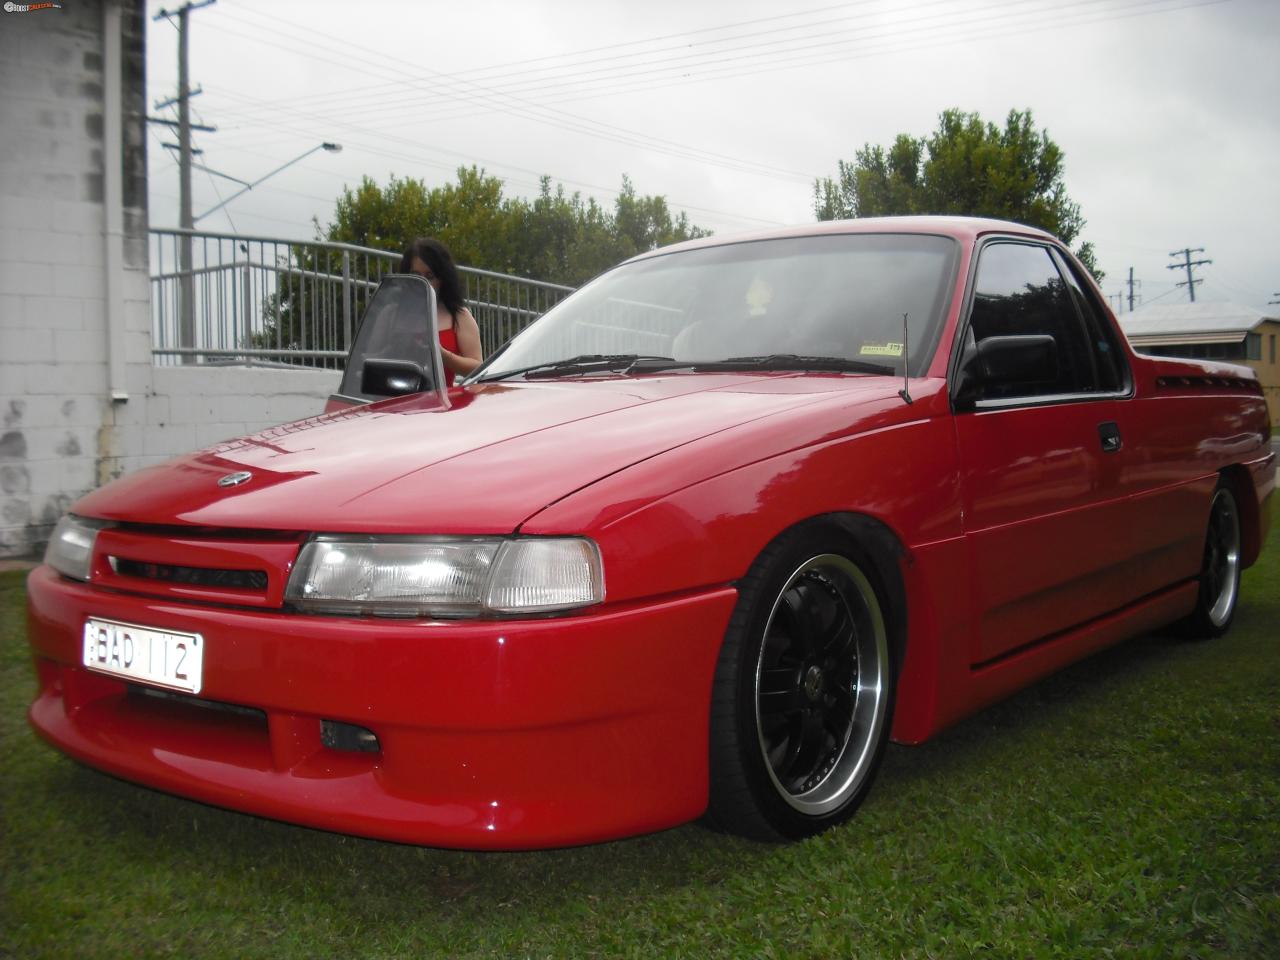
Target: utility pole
[1131,284]
[186,286]
[1187,264]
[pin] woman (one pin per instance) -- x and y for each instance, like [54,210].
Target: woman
[457,328]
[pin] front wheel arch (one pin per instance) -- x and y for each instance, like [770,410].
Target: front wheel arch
[887,555]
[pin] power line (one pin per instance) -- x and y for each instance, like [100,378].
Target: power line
[1160,296]
[465,159]
[574,81]
[807,60]
[520,107]
[568,85]
[1028,15]
[479,72]
[500,165]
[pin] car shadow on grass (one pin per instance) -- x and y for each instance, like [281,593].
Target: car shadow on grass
[361,877]
[1050,702]
[245,858]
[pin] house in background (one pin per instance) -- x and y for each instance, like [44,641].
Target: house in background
[1212,331]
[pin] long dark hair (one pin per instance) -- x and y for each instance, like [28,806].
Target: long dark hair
[436,256]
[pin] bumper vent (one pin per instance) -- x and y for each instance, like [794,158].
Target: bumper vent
[348,736]
[196,703]
[1209,383]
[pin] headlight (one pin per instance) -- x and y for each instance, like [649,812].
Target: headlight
[70,549]
[445,576]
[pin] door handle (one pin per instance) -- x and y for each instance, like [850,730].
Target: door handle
[1109,435]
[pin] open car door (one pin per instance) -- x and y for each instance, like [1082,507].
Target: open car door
[396,349]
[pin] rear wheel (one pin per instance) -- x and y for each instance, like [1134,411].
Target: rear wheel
[1219,571]
[803,692]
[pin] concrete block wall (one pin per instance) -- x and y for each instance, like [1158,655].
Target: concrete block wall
[61,431]
[55,413]
[193,407]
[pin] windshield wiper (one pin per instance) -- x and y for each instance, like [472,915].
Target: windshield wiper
[584,363]
[640,363]
[793,361]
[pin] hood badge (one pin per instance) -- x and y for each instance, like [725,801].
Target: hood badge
[235,479]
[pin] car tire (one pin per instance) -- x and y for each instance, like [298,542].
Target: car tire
[803,695]
[1219,571]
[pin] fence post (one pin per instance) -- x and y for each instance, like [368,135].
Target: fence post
[186,298]
[248,314]
[346,299]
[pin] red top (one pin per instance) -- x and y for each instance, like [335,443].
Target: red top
[449,340]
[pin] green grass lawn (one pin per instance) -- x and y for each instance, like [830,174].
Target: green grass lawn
[1128,807]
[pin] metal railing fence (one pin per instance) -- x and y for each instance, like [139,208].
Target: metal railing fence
[267,300]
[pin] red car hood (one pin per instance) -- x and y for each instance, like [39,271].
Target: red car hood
[498,455]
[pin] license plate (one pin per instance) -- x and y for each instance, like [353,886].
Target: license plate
[161,657]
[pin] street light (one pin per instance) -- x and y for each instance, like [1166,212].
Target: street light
[330,147]
[186,291]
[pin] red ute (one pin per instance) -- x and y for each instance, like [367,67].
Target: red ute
[700,540]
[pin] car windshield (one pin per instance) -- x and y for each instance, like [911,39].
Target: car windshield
[833,302]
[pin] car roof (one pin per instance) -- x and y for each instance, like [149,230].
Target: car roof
[961,228]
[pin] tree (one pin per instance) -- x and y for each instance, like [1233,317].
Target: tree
[965,167]
[556,237]
[470,217]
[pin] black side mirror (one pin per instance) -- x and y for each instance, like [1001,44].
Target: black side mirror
[998,366]
[396,350]
[391,378]
[1031,358]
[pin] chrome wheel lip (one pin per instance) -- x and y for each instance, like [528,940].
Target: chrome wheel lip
[854,759]
[1222,558]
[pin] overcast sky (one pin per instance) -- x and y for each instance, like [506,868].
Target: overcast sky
[1166,109]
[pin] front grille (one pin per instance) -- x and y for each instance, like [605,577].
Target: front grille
[228,567]
[192,576]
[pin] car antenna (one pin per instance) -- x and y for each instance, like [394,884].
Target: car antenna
[905,392]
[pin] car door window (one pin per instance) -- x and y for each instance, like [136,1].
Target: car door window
[1108,357]
[1019,292]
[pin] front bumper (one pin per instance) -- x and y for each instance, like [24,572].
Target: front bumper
[491,735]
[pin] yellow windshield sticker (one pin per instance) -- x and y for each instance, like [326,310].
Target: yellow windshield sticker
[759,296]
[881,350]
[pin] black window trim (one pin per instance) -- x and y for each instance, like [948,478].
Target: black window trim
[1066,265]
[962,331]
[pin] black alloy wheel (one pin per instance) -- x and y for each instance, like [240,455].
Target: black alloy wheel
[804,692]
